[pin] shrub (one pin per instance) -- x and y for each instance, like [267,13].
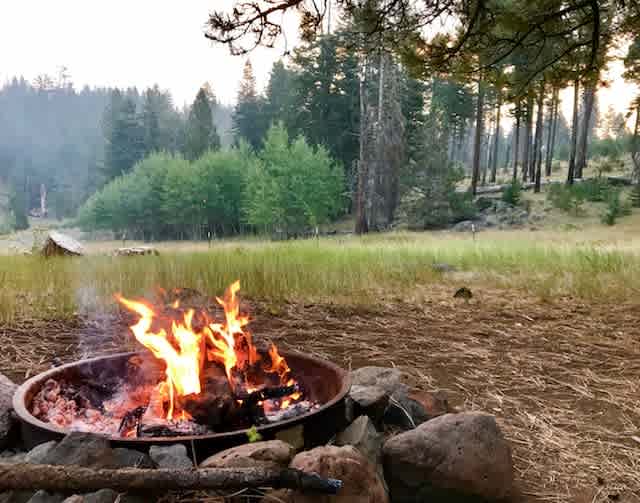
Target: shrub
[635,196]
[513,193]
[615,208]
[566,198]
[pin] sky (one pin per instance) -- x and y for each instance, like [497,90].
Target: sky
[143,42]
[124,43]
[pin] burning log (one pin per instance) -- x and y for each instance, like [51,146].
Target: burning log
[78,479]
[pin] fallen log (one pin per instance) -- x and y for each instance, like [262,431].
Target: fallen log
[79,479]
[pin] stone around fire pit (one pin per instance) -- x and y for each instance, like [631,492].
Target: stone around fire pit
[257,454]
[371,401]
[389,379]
[7,389]
[454,454]
[170,456]
[45,497]
[360,481]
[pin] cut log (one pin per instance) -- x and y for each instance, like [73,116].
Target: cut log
[136,251]
[78,479]
[58,244]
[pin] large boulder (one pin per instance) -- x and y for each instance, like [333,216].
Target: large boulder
[81,449]
[272,453]
[361,484]
[7,389]
[454,454]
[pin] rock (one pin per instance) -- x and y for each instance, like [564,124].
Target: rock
[362,435]
[270,453]
[82,449]
[39,452]
[389,379]
[125,458]
[361,484]
[13,458]
[405,412]
[45,497]
[76,498]
[454,455]
[371,401]
[434,403]
[101,496]
[170,456]
[7,389]
[464,226]
[58,244]
[442,268]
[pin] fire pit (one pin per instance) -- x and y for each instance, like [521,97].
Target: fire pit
[203,383]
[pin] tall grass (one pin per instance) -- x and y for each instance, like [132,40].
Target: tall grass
[355,270]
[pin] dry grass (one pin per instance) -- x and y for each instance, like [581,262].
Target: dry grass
[561,377]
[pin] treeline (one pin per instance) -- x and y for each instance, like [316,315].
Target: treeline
[58,145]
[285,187]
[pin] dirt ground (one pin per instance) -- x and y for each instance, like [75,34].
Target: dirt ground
[562,378]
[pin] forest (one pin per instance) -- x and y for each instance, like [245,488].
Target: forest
[392,140]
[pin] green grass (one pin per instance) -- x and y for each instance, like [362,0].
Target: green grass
[344,270]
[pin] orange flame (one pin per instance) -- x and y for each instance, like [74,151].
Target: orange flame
[184,349]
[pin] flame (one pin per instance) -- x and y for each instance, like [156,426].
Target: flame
[183,349]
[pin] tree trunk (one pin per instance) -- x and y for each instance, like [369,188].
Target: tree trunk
[574,133]
[362,226]
[526,155]
[496,140]
[538,141]
[79,479]
[477,147]
[551,137]
[583,145]
[516,147]
[635,150]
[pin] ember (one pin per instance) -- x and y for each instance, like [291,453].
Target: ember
[204,377]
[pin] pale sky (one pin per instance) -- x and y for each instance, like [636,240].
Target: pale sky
[123,43]
[142,42]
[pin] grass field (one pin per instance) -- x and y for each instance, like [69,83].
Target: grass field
[347,270]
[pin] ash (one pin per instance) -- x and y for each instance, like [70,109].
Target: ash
[81,407]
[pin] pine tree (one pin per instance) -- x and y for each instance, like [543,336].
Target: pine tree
[248,123]
[125,143]
[201,132]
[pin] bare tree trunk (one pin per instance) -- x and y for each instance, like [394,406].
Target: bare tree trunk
[43,200]
[574,132]
[635,150]
[516,147]
[583,145]
[496,140]
[551,137]
[538,141]
[362,226]
[477,147]
[526,155]
[507,156]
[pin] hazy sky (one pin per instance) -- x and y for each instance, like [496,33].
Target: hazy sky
[123,43]
[142,42]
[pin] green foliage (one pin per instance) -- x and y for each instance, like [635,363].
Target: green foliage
[635,196]
[201,132]
[124,144]
[288,186]
[253,435]
[615,207]
[248,121]
[565,198]
[18,209]
[292,186]
[513,193]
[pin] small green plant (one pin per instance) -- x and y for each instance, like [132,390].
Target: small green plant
[253,435]
[635,196]
[615,208]
[513,193]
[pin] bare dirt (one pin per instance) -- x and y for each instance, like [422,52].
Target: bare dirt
[562,378]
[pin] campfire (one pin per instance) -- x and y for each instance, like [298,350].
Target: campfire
[200,375]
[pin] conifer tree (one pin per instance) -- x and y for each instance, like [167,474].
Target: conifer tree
[247,121]
[201,132]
